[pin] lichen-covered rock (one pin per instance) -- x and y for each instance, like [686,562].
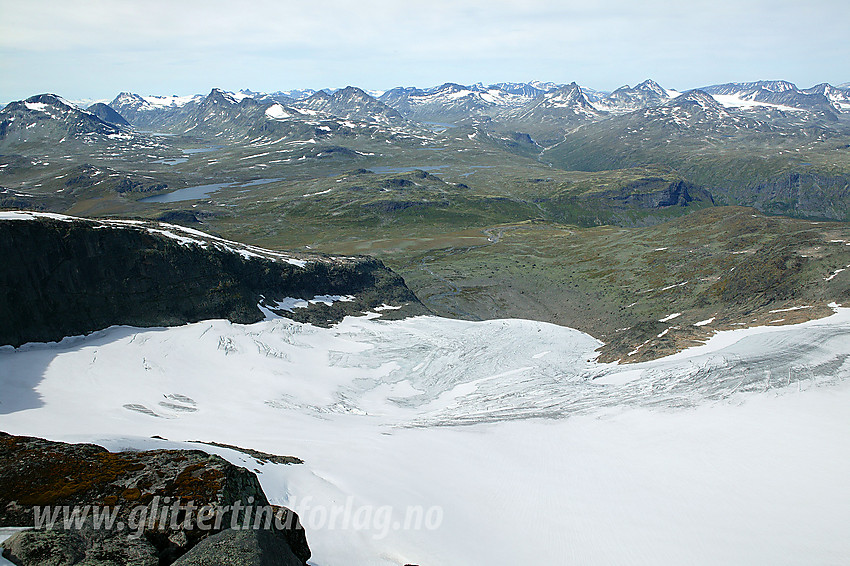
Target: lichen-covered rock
[241,548]
[142,508]
[44,548]
[36,472]
[84,547]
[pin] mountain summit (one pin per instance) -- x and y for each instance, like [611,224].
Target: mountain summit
[47,116]
[351,102]
[627,99]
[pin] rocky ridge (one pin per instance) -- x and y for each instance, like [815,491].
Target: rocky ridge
[67,276]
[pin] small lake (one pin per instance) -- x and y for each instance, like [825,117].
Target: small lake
[189,193]
[202,191]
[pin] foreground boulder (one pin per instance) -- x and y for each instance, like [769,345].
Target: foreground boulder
[89,505]
[241,548]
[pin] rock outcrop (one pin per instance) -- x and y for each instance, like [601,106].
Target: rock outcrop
[142,508]
[64,276]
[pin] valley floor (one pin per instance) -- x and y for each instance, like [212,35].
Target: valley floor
[734,452]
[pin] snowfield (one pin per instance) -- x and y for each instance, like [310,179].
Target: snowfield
[520,446]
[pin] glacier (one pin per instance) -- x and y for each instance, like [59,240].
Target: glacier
[733,452]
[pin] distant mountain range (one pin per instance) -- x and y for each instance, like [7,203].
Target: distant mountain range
[543,111]
[539,108]
[534,103]
[745,140]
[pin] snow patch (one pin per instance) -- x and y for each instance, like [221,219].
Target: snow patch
[789,309]
[290,303]
[36,106]
[277,112]
[737,101]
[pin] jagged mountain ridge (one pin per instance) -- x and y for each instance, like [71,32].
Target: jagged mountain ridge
[350,102]
[247,114]
[455,103]
[549,115]
[764,155]
[627,99]
[622,140]
[238,117]
[152,112]
[452,101]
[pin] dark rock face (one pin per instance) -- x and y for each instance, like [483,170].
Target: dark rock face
[656,193]
[800,194]
[36,473]
[107,114]
[64,278]
[179,217]
[643,202]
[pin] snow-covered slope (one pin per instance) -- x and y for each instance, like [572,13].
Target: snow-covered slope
[781,95]
[733,452]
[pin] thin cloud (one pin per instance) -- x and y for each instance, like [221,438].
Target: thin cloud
[98,47]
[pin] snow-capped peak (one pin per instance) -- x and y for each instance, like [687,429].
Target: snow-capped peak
[173,101]
[217,95]
[777,86]
[42,102]
[651,86]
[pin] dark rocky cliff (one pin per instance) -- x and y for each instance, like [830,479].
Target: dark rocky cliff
[642,202]
[803,194]
[62,277]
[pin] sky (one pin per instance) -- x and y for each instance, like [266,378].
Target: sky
[97,48]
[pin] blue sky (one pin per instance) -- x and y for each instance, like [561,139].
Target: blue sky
[94,49]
